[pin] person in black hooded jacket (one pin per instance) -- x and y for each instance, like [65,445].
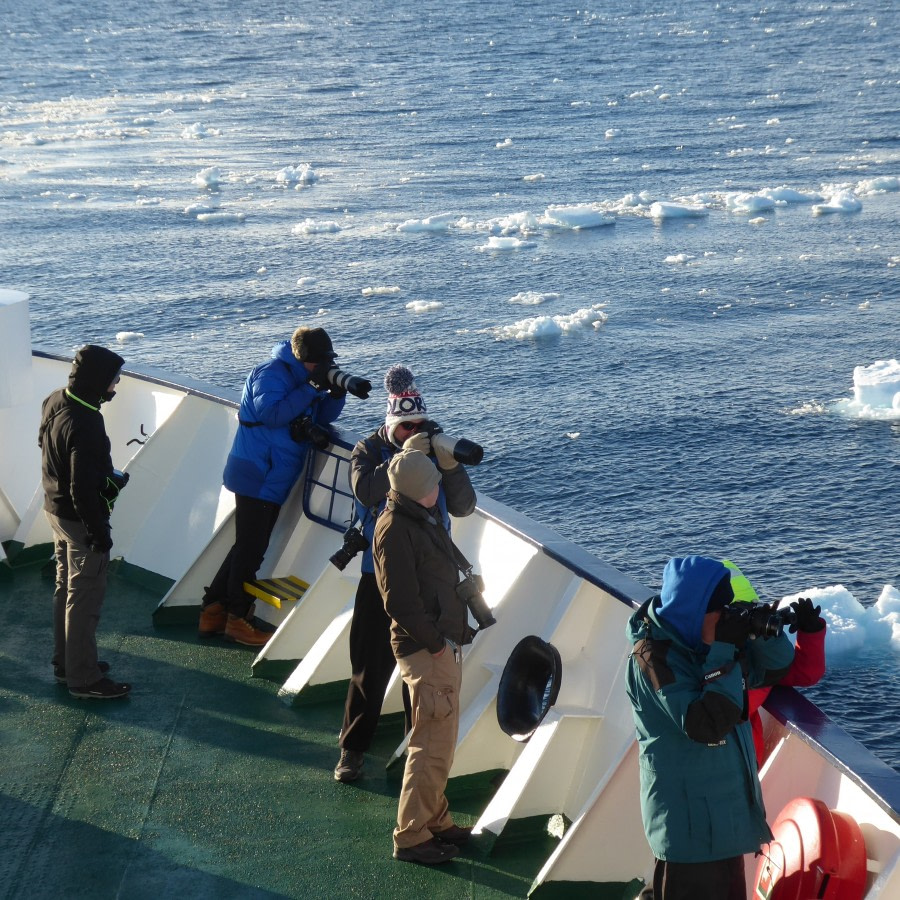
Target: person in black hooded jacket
[80,485]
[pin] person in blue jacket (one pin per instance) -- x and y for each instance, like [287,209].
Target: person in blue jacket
[687,680]
[282,397]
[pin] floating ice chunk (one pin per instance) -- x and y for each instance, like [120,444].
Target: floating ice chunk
[887,608]
[575,217]
[421,306]
[668,210]
[876,392]
[532,298]
[553,326]
[538,176]
[440,222]
[217,218]
[125,337]
[573,435]
[379,291]
[678,258]
[881,185]
[305,280]
[841,202]
[522,223]
[784,195]
[197,132]
[496,242]
[749,203]
[853,627]
[311,226]
[297,175]
[611,133]
[195,209]
[504,144]
[208,178]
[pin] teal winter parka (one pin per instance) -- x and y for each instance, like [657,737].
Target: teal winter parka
[700,794]
[265,460]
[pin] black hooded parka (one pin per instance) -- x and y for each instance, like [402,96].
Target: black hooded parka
[75,451]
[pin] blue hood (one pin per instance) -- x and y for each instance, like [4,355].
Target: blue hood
[687,585]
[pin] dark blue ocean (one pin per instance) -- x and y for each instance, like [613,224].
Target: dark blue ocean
[637,254]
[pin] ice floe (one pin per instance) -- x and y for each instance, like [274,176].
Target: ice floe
[853,627]
[311,226]
[666,210]
[552,326]
[841,202]
[380,291]
[299,176]
[876,392]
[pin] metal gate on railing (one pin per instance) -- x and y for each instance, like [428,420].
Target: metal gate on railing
[327,496]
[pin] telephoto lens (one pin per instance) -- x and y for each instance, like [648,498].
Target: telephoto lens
[359,387]
[466,452]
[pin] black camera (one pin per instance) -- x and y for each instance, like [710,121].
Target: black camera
[466,452]
[303,429]
[354,541]
[343,381]
[470,590]
[762,619]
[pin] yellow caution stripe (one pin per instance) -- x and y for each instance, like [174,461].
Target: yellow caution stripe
[276,591]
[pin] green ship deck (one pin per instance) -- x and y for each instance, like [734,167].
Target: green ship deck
[204,783]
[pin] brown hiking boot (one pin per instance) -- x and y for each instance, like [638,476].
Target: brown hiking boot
[243,632]
[431,853]
[349,765]
[455,834]
[212,620]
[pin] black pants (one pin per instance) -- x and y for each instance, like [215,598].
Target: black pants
[372,664]
[254,520]
[722,879]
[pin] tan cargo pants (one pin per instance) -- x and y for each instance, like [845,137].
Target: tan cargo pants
[433,683]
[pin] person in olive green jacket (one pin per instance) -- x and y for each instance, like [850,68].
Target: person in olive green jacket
[417,574]
[687,680]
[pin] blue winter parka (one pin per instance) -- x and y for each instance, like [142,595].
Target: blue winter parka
[700,794]
[265,461]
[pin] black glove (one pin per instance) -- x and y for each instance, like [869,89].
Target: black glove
[102,543]
[808,617]
[733,626]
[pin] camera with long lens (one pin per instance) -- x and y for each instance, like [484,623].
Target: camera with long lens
[471,591]
[354,541]
[344,381]
[464,451]
[762,619]
[303,429]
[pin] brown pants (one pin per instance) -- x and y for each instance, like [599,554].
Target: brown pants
[433,683]
[77,601]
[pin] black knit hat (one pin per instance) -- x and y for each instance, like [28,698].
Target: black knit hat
[721,596]
[312,345]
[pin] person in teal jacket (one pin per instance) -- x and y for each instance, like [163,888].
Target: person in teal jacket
[687,679]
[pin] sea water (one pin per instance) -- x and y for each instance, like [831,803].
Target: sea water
[646,254]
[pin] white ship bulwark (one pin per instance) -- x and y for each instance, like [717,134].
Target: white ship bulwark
[579,766]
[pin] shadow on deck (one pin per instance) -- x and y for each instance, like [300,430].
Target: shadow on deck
[202,783]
